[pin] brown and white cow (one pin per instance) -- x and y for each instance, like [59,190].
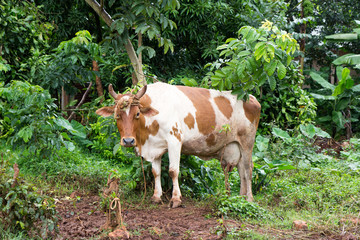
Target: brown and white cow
[179,119]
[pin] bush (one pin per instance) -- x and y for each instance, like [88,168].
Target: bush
[30,121]
[22,208]
[237,206]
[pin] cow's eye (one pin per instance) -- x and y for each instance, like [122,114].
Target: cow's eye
[137,114]
[117,116]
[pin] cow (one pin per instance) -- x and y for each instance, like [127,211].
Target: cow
[203,122]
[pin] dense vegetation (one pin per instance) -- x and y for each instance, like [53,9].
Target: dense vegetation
[300,59]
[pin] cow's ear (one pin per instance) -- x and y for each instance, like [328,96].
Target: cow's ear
[105,111]
[148,111]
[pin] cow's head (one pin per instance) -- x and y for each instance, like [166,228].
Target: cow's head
[129,111]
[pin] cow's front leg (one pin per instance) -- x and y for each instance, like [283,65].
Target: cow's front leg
[156,170]
[174,166]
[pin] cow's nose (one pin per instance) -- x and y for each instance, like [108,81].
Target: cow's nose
[129,141]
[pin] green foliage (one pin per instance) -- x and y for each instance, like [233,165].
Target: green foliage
[352,155]
[288,153]
[237,207]
[104,137]
[70,64]
[199,178]
[259,56]
[343,101]
[22,208]
[23,34]
[30,120]
[350,58]
[148,18]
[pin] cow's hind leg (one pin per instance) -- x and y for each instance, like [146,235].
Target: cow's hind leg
[245,168]
[156,170]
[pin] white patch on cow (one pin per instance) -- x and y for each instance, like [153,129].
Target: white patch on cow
[127,110]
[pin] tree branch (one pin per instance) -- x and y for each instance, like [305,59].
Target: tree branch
[81,101]
[128,45]
[100,11]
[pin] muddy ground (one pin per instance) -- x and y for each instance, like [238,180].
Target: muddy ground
[82,218]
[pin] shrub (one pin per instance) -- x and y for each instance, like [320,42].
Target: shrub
[22,208]
[30,121]
[237,206]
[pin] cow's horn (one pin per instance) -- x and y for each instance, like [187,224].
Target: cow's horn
[112,92]
[141,92]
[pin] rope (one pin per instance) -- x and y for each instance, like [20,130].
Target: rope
[115,203]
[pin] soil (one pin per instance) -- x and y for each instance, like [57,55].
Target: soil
[82,219]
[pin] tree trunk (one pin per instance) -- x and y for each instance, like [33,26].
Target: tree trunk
[302,41]
[64,99]
[99,87]
[128,45]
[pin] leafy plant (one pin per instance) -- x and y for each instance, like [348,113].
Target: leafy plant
[236,206]
[269,157]
[350,58]
[343,100]
[30,121]
[22,208]
[258,56]
[23,34]
[70,64]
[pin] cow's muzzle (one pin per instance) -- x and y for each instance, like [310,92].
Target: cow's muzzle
[128,142]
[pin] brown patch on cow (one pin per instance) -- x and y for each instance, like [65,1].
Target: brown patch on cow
[176,133]
[143,132]
[172,173]
[189,121]
[210,140]
[154,172]
[224,106]
[252,110]
[145,106]
[205,115]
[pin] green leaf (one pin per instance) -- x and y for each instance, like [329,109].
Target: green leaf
[69,145]
[116,148]
[260,52]
[338,119]
[244,53]
[270,67]
[345,74]
[343,37]
[321,81]
[277,132]
[322,97]
[272,83]
[343,103]
[26,133]
[308,130]
[281,70]
[322,133]
[356,88]
[189,82]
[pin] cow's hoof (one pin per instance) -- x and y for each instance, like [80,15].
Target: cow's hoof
[174,203]
[156,200]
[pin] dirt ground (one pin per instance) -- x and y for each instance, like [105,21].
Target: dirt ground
[82,219]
